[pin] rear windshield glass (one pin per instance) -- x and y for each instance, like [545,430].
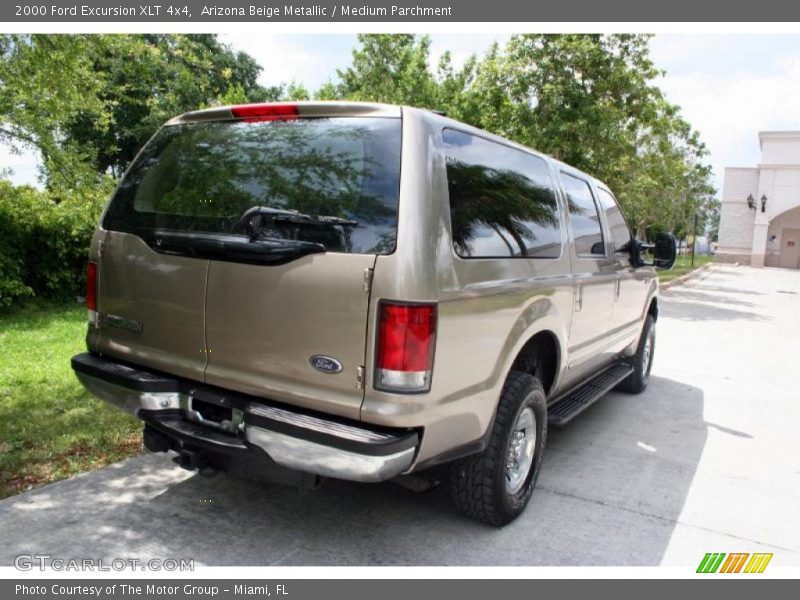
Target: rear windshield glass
[329,181]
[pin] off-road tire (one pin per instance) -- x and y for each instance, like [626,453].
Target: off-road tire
[636,382]
[478,482]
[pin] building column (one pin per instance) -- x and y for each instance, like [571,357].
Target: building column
[759,250]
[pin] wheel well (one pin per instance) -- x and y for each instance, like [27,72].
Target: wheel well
[653,309]
[539,357]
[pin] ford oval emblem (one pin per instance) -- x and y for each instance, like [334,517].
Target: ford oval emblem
[325,364]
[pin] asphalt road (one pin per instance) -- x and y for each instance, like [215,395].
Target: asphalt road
[707,459]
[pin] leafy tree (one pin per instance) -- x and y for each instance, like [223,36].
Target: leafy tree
[45,83]
[589,100]
[484,101]
[387,68]
[711,220]
[151,78]
[87,103]
[296,91]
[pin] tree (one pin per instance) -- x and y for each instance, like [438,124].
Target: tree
[712,220]
[87,103]
[151,78]
[45,83]
[387,68]
[590,101]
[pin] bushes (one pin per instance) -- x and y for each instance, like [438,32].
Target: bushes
[18,207]
[44,240]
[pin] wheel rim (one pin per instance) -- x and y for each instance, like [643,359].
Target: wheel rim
[647,355]
[520,450]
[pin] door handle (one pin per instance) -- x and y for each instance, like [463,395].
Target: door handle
[578,296]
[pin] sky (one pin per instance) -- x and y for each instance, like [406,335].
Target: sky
[729,86]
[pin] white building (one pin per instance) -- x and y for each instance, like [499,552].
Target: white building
[760,212]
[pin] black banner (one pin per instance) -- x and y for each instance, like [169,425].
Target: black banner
[398,589]
[397,11]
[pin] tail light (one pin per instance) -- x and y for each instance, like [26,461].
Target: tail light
[266,112]
[91,292]
[405,345]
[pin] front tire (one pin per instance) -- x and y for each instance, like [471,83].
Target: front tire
[496,485]
[642,361]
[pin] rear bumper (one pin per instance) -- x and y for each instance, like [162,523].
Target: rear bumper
[297,440]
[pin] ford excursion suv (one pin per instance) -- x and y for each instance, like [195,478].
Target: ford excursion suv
[363,291]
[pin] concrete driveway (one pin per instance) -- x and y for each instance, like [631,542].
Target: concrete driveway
[706,460]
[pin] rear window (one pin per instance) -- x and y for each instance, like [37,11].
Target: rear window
[330,181]
[502,201]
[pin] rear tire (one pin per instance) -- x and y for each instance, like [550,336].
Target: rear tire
[642,361]
[491,486]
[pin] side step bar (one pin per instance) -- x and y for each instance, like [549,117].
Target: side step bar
[566,408]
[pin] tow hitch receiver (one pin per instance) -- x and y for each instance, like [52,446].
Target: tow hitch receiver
[214,412]
[191,460]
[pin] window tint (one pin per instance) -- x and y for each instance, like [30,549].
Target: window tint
[583,216]
[620,233]
[502,201]
[330,181]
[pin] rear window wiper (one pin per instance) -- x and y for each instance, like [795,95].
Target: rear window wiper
[252,221]
[229,248]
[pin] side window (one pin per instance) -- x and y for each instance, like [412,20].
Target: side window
[502,200]
[583,216]
[620,232]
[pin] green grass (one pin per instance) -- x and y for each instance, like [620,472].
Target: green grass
[50,428]
[683,266]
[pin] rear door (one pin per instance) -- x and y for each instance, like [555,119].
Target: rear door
[266,325]
[296,332]
[633,284]
[151,306]
[252,236]
[151,302]
[594,275]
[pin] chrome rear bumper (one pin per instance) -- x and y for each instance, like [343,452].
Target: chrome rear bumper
[301,441]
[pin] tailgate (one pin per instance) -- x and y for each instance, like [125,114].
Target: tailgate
[294,332]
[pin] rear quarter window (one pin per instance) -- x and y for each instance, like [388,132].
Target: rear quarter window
[337,181]
[502,200]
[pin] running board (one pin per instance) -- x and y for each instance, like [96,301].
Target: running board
[563,410]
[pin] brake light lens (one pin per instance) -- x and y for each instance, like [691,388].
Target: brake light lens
[91,292]
[266,112]
[405,346]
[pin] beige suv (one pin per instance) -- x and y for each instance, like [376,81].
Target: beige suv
[362,291]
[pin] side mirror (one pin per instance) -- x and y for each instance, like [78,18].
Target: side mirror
[665,251]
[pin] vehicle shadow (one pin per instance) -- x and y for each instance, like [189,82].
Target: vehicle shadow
[703,286]
[612,486]
[700,304]
[697,294]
